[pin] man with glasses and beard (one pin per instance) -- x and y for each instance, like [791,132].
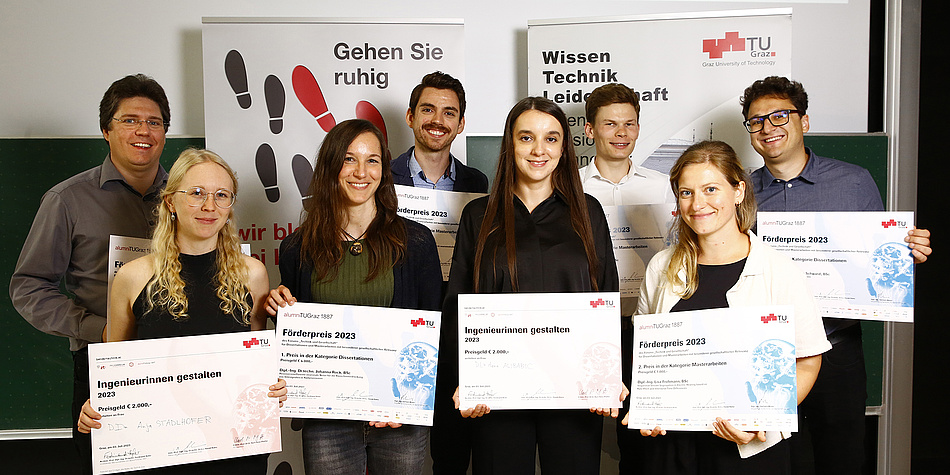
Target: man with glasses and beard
[795,179]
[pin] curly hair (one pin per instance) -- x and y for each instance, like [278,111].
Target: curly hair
[166,288]
[774,86]
[686,250]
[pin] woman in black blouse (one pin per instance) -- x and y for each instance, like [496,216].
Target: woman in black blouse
[536,232]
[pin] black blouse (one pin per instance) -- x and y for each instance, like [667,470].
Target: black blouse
[713,281]
[550,258]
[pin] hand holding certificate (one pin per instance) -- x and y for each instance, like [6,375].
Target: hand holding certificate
[359,363]
[180,400]
[539,351]
[692,368]
[857,264]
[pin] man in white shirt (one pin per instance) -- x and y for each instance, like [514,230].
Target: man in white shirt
[613,123]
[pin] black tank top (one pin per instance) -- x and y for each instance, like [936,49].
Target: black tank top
[205,317]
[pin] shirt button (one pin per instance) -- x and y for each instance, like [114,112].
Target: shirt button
[789,185]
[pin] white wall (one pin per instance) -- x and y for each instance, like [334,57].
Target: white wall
[57,57]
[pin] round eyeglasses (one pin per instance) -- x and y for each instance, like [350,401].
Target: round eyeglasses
[777,118]
[197,196]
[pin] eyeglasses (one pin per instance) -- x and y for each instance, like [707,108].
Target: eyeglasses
[777,118]
[197,196]
[132,124]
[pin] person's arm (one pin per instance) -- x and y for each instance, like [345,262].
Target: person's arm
[35,283]
[807,373]
[259,285]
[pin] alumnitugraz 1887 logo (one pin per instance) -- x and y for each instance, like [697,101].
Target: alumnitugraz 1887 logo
[422,321]
[757,46]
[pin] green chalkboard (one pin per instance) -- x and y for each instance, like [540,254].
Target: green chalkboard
[36,385]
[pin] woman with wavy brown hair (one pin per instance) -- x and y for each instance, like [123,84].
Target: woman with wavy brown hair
[353,249]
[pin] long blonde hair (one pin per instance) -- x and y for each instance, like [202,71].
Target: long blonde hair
[686,250]
[167,289]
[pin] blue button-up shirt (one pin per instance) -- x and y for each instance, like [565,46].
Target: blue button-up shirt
[419,179]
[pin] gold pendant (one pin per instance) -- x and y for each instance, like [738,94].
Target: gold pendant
[357,248]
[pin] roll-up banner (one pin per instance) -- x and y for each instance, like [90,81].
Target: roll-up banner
[274,87]
[688,69]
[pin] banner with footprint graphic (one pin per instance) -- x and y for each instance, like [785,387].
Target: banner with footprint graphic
[273,88]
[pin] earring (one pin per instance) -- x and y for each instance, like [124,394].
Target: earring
[174,216]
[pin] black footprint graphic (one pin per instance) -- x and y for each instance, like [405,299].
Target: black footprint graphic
[274,97]
[266,163]
[303,174]
[237,76]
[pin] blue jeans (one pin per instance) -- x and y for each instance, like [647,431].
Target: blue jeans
[334,447]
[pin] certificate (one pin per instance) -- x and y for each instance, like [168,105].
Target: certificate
[857,264]
[540,351]
[171,401]
[638,232]
[358,363]
[736,363]
[437,210]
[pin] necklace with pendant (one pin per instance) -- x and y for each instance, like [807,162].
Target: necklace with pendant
[357,247]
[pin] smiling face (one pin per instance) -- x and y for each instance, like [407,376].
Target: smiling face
[614,131]
[437,120]
[137,149]
[362,170]
[781,147]
[198,226]
[538,144]
[707,202]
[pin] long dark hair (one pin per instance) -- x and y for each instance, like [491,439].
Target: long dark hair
[320,230]
[499,221]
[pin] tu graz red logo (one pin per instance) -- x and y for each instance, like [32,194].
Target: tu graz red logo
[255,342]
[887,224]
[774,318]
[715,47]
[422,321]
[599,302]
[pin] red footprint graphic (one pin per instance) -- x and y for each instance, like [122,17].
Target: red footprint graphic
[309,94]
[366,110]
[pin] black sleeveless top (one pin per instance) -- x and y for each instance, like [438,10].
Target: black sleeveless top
[205,317]
[713,283]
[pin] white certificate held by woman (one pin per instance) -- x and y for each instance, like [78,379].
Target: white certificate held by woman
[736,363]
[171,401]
[358,363]
[540,351]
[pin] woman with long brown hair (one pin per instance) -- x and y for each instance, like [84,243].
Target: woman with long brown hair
[353,249]
[536,232]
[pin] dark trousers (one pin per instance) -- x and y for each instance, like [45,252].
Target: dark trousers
[450,440]
[82,441]
[567,442]
[701,453]
[831,419]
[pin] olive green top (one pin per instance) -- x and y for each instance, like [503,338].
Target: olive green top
[349,288]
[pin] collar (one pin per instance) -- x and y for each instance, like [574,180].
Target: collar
[415,168]
[808,174]
[755,262]
[108,172]
[593,172]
